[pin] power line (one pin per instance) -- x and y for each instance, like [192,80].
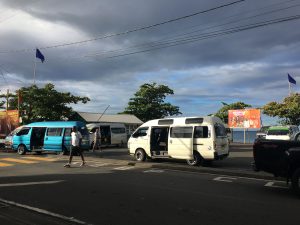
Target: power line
[129,31]
[161,42]
[214,34]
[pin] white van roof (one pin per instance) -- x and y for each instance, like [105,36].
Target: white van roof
[183,121]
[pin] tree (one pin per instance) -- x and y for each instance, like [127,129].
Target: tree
[149,104]
[39,104]
[223,112]
[288,111]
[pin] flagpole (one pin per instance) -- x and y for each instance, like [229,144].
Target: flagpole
[34,70]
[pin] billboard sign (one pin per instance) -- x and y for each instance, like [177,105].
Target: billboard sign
[9,120]
[244,118]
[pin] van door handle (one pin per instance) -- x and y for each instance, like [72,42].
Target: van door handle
[46,139]
[170,141]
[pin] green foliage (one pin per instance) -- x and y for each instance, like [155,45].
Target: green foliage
[288,111]
[39,104]
[223,112]
[149,104]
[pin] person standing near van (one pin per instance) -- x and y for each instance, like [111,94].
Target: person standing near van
[97,138]
[75,144]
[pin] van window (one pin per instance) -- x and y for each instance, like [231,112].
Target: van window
[54,131]
[278,132]
[140,132]
[68,131]
[193,120]
[118,130]
[83,130]
[220,130]
[165,122]
[23,131]
[181,132]
[201,132]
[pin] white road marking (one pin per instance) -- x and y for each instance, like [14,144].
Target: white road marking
[272,184]
[98,164]
[124,168]
[30,183]
[154,171]
[224,179]
[42,211]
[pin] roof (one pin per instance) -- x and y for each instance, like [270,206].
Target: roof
[55,124]
[119,118]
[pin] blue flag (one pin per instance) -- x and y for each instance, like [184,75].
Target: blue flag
[39,55]
[291,80]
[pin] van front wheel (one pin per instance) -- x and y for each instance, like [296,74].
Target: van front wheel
[140,155]
[21,150]
[195,161]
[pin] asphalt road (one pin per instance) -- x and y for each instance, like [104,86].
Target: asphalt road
[113,189]
[149,196]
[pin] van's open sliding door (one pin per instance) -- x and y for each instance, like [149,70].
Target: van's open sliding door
[180,144]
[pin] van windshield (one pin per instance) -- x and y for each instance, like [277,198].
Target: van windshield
[83,130]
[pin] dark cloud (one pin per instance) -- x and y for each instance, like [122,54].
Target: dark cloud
[225,67]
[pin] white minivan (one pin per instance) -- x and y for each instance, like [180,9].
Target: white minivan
[111,133]
[199,140]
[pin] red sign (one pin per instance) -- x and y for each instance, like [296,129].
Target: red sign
[244,118]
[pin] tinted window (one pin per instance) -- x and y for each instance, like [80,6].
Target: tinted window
[83,130]
[201,132]
[118,130]
[278,132]
[220,130]
[23,131]
[165,122]
[68,131]
[140,132]
[54,131]
[181,132]
[194,120]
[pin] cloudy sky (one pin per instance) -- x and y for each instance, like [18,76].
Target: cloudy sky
[207,51]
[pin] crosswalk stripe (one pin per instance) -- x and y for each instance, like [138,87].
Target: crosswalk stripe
[5,164]
[98,164]
[18,160]
[39,158]
[124,168]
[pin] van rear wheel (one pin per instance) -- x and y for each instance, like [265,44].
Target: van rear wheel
[140,155]
[21,150]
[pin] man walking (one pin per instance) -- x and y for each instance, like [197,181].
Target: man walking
[97,138]
[75,144]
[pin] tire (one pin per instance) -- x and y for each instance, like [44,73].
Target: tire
[296,181]
[38,152]
[196,161]
[21,150]
[140,155]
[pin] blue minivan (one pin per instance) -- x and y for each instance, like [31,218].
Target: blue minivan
[48,136]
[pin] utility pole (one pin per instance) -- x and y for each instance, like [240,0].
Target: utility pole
[6,118]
